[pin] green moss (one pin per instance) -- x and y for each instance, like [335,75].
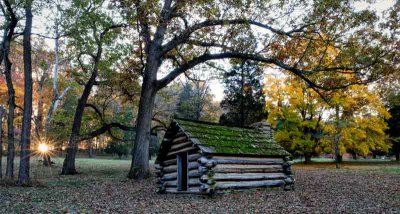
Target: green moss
[215,128]
[238,143]
[238,134]
[232,140]
[250,151]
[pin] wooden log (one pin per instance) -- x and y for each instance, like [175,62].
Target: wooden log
[248,170]
[169,169]
[169,177]
[180,145]
[248,161]
[211,182]
[204,170]
[192,157]
[159,173]
[289,180]
[247,176]
[203,160]
[171,184]
[179,138]
[239,166]
[189,191]
[194,182]
[193,165]
[209,163]
[172,176]
[173,168]
[208,189]
[287,168]
[184,140]
[191,182]
[248,184]
[168,162]
[166,140]
[193,148]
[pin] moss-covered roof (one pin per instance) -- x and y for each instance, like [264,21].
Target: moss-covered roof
[219,139]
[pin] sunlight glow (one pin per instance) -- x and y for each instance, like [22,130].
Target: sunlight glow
[43,148]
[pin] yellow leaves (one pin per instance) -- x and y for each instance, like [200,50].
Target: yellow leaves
[282,136]
[360,125]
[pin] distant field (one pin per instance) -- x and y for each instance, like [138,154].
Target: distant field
[330,160]
[102,187]
[360,166]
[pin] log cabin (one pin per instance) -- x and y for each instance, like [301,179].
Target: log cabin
[202,157]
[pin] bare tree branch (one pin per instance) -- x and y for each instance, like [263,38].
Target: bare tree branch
[185,35]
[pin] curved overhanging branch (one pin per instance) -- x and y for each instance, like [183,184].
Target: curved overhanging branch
[207,57]
[106,127]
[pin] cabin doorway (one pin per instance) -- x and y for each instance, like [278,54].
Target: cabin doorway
[182,164]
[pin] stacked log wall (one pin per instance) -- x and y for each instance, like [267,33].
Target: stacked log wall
[167,170]
[229,172]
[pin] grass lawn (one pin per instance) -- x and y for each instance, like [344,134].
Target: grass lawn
[102,187]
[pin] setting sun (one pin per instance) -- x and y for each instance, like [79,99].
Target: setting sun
[43,148]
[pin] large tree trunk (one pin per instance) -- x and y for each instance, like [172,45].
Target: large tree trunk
[69,161]
[338,156]
[307,158]
[10,90]
[2,110]
[339,159]
[140,153]
[23,177]
[354,155]
[10,118]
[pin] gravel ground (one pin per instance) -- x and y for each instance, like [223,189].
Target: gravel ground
[317,191]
